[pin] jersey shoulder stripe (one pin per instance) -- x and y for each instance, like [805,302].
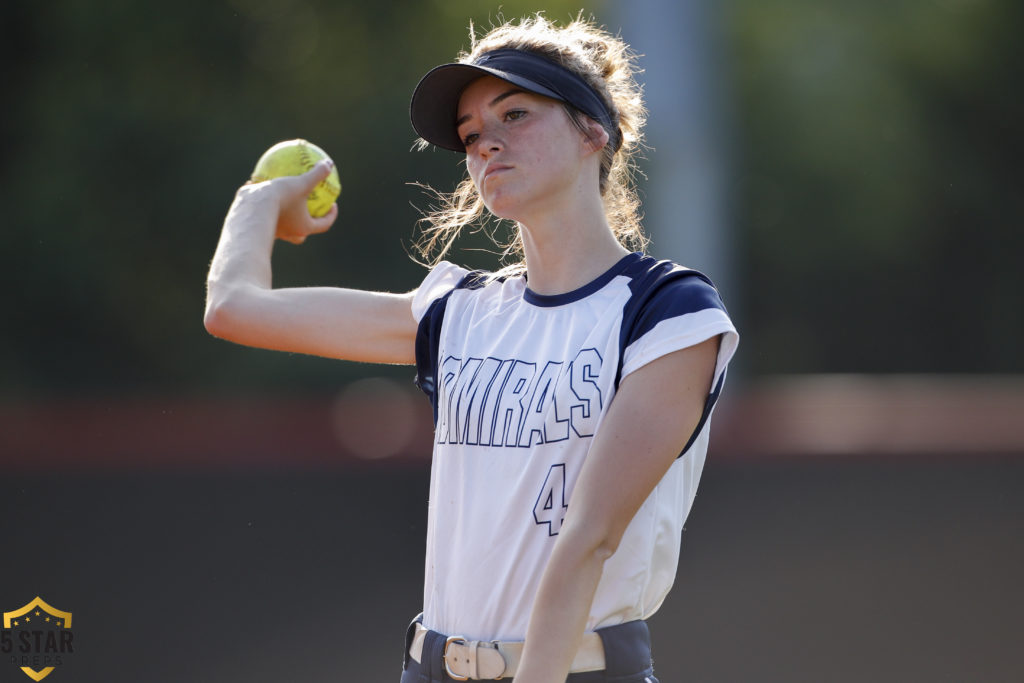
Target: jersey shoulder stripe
[428,333]
[661,290]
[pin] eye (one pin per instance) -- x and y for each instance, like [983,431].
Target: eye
[470,139]
[514,114]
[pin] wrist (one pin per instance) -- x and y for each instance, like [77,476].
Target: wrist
[258,194]
[255,210]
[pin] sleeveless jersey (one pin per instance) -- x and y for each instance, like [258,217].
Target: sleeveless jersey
[520,383]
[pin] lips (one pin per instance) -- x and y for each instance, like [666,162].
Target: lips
[495,168]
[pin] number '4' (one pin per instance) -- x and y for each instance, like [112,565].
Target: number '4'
[551,506]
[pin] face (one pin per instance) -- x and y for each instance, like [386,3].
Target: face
[522,151]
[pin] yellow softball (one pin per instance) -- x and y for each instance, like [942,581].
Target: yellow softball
[295,157]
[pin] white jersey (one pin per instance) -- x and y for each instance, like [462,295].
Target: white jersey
[520,383]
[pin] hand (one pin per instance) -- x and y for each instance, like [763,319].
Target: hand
[294,224]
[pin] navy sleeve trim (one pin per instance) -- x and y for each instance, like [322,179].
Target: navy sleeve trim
[428,336]
[474,279]
[709,405]
[662,290]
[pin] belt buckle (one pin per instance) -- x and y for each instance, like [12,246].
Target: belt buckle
[451,674]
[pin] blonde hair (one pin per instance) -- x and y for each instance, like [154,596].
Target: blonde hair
[608,65]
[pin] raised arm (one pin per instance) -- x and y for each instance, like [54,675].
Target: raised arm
[242,306]
[649,421]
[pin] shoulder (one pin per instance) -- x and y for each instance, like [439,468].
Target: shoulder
[662,289]
[444,279]
[670,308]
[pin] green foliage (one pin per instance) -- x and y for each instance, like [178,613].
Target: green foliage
[879,145]
[130,127]
[880,152]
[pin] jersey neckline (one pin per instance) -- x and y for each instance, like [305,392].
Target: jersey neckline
[550,300]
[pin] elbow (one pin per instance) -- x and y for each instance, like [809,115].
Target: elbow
[600,549]
[220,317]
[213,319]
[607,546]
[596,540]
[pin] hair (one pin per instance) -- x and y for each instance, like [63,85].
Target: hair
[608,65]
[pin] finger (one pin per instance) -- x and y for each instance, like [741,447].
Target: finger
[317,174]
[323,223]
[303,184]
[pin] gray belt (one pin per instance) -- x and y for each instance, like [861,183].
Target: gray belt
[481,660]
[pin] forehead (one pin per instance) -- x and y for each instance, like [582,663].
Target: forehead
[484,90]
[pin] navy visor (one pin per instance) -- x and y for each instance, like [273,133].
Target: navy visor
[435,101]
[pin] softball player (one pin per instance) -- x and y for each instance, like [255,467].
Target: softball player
[572,392]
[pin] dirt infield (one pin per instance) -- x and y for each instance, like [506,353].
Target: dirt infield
[812,569]
[847,529]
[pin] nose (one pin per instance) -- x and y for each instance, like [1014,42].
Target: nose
[491,142]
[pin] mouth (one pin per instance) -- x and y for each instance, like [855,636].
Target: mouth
[496,168]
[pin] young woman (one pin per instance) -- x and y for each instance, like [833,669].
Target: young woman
[572,391]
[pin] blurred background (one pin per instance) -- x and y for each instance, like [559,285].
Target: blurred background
[846,172]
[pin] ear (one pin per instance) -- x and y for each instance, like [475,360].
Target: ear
[595,137]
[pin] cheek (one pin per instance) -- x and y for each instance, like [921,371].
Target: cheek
[474,166]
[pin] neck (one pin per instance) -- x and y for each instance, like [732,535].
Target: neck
[566,249]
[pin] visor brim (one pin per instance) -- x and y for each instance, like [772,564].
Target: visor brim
[435,101]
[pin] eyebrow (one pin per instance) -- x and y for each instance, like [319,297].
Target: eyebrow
[496,100]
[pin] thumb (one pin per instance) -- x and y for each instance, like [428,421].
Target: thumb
[317,174]
[302,184]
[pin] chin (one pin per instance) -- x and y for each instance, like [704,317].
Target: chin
[502,208]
